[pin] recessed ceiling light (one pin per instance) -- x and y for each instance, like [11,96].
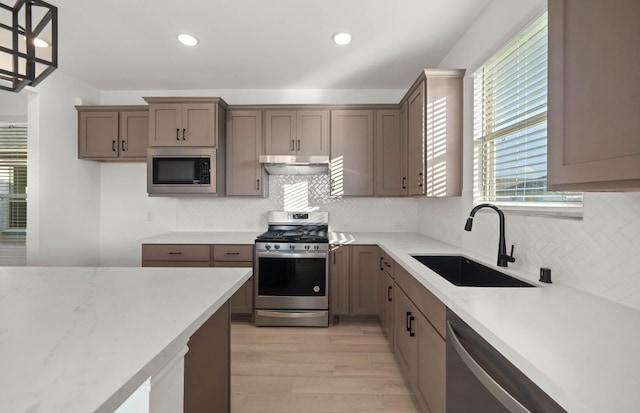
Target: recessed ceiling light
[187,39]
[342,39]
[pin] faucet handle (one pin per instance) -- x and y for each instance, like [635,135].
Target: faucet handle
[510,256]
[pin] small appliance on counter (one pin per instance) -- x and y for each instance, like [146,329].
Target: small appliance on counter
[292,270]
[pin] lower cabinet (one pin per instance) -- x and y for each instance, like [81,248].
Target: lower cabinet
[354,277]
[207,366]
[419,345]
[205,255]
[237,256]
[385,303]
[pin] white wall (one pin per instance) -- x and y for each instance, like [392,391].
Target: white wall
[128,214]
[64,193]
[598,254]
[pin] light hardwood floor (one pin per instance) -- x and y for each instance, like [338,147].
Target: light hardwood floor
[345,368]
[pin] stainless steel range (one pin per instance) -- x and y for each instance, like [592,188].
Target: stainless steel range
[292,270]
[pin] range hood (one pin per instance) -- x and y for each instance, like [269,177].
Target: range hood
[295,164]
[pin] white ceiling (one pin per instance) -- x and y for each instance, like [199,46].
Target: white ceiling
[257,44]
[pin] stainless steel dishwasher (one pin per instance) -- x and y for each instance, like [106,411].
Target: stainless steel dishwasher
[481,380]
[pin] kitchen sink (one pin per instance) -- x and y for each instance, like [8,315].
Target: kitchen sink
[464,272]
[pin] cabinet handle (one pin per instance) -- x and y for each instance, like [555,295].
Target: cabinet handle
[257,184]
[175,253]
[387,264]
[113,146]
[293,142]
[411,333]
[404,182]
[389,288]
[420,179]
[184,131]
[178,134]
[381,267]
[124,148]
[334,258]
[408,325]
[298,148]
[233,253]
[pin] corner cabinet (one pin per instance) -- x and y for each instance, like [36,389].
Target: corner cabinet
[186,121]
[245,174]
[431,116]
[297,132]
[113,132]
[351,165]
[594,95]
[391,154]
[354,279]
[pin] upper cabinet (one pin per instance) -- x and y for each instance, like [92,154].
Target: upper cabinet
[391,153]
[186,121]
[431,116]
[245,174]
[113,132]
[351,166]
[594,95]
[297,132]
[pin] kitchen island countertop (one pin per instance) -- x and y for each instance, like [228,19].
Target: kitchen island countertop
[83,339]
[579,348]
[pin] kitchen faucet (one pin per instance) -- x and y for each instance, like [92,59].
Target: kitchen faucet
[503,258]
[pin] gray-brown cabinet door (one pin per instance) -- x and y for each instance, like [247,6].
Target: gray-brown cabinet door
[352,152]
[365,273]
[443,136]
[415,131]
[280,132]
[594,95]
[98,134]
[134,134]
[339,280]
[198,124]
[431,366]
[390,177]
[312,136]
[388,313]
[405,344]
[245,174]
[165,124]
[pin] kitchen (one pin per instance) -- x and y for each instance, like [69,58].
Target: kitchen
[103,209]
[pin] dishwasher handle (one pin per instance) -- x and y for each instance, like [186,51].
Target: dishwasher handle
[503,396]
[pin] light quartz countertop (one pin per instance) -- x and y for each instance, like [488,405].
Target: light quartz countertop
[579,348]
[79,340]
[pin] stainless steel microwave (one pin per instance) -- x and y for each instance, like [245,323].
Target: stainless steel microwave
[178,171]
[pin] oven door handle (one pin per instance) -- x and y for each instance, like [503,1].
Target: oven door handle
[267,254]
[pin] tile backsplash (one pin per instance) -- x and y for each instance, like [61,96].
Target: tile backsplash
[599,254]
[297,192]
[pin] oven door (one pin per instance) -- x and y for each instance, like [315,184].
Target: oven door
[292,280]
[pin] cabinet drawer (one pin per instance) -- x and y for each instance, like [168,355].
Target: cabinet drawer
[432,308]
[388,264]
[233,253]
[175,252]
[233,264]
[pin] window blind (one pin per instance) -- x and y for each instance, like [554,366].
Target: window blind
[510,123]
[13,194]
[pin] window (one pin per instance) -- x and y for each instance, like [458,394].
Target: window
[13,195]
[510,125]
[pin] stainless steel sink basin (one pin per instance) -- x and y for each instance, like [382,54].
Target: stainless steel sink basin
[464,272]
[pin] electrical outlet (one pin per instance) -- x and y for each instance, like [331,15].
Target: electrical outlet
[149,216]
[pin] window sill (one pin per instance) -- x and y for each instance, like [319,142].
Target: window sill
[555,210]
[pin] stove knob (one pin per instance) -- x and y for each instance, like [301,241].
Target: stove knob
[277,246]
[292,246]
[306,247]
[267,246]
[316,247]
